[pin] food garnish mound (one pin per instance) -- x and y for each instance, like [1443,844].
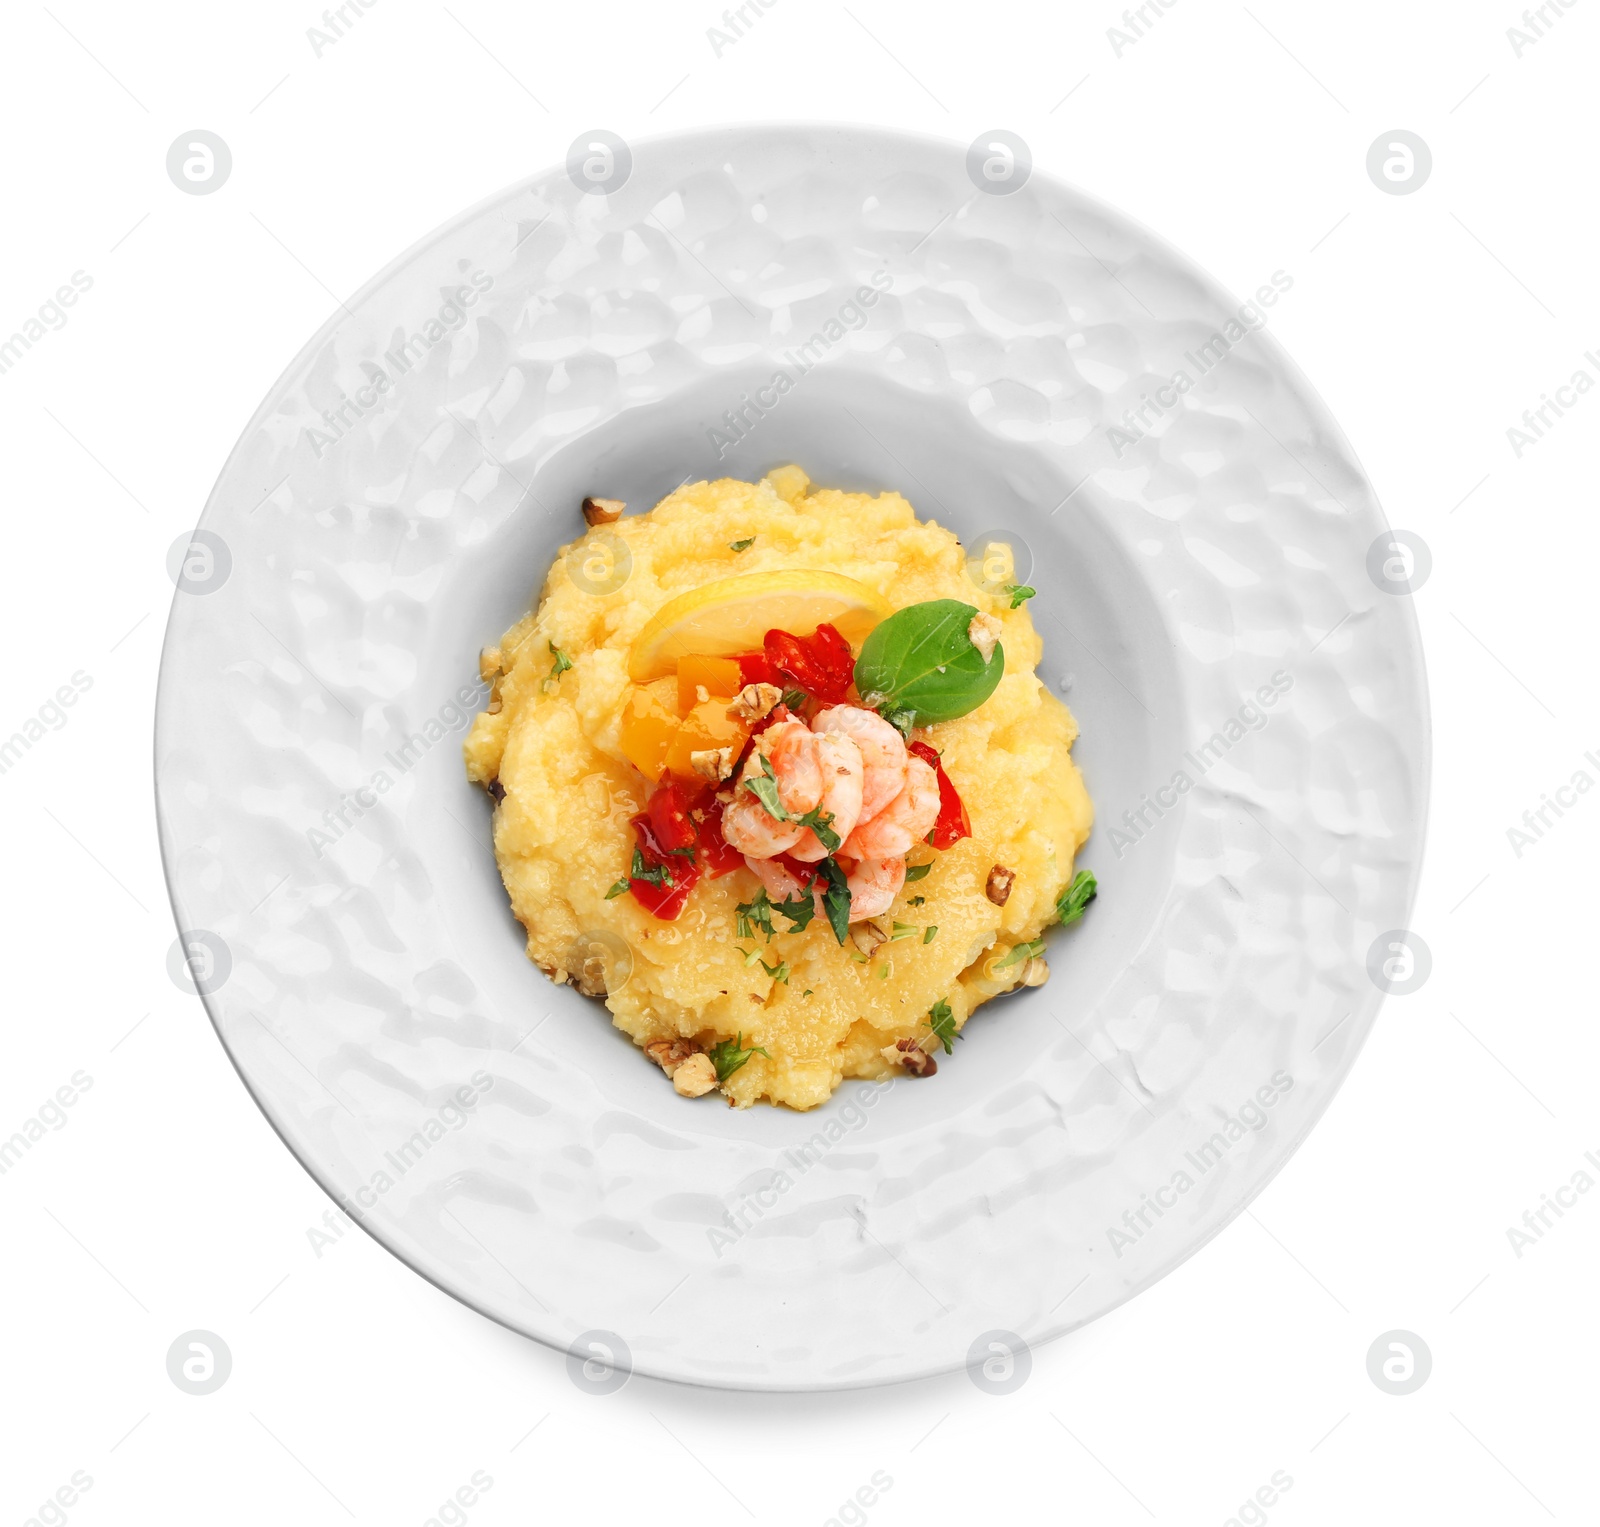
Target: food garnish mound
[775,777]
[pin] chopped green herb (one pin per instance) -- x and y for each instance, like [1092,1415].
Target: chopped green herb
[654,874]
[902,721]
[1071,903]
[902,930]
[750,956]
[799,910]
[557,668]
[743,545]
[917,871]
[617,890]
[930,933]
[1020,953]
[778,972]
[916,901]
[754,914]
[764,787]
[836,898]
[727,1056]
[794,697]
[885,970]
[943,1024]
[806,992]
[821,823]
[1019,592]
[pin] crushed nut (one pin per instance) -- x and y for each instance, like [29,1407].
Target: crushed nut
[867,936]
[602,511]
[983,631]
[695,1077]
[910,1057]
[714,764]
[754,701]
[1035,973]
[669,1054]
[490,663]
[497,791]
[998,889]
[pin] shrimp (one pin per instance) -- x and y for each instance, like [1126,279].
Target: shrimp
[904,821]
[842,776]
[780,883]
[793,752]
[874,884]
[883,752]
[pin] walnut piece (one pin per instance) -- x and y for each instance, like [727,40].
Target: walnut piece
[909,1055]
[695,1077]
[754,701]
[1036,972]
[983,631]
[867,936]
[590,976]
[669,1054]
[714,764]
[602,511]
[998,889]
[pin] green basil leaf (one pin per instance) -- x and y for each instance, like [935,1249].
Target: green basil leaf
[921,660]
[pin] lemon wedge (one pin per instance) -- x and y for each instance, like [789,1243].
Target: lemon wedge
[734,615]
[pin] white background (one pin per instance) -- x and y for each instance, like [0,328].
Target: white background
[1428,321]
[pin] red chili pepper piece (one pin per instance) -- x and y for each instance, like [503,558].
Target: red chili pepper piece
[668,810]
[821,665]
[754,668]
[952,825]
[681,873]
[717,858]
[836,658]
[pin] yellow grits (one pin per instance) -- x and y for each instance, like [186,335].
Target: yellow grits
[562,834]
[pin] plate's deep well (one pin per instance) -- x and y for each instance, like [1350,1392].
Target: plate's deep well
[1252,704]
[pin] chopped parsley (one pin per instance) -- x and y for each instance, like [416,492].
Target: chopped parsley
[654,874]
[917,871]
[617,890]
[756,915]
[821,823]
[1071,903]
[836,898]
[557,668]
[743,545]
[778,972]
[942,1021]
[794,697]
[1019,592]
[727,1056]
[902,930]
[798,909]
[764,787]
[751,915]
[916,901]
[1020,953]
[930,933]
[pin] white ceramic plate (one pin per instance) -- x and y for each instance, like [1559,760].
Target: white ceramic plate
[1211,607]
